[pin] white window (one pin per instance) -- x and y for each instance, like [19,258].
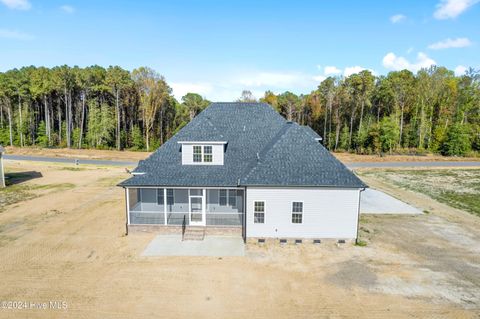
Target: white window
[259,212]
[297,212]
[207,154]
[197,154]
[202,154]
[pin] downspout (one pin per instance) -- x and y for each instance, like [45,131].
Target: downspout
[358,214]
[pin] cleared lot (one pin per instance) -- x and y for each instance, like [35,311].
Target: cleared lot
[67,243]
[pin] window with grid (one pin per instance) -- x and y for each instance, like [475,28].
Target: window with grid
[197,154]
[259,212]
[223,197]
[297,212]
[170,197]
[160,196]
[207,154]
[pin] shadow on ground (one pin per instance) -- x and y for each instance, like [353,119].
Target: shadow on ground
[14,178]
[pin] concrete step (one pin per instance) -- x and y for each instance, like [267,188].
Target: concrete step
[194,233]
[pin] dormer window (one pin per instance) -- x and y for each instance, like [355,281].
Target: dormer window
[197,154]
[202,153]
[207,154]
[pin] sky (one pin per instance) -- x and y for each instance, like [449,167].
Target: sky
[219,48]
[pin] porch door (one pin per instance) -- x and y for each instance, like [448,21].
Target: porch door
[197,208]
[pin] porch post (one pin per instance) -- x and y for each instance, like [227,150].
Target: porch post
[127,209]
[164,206]
[204,207]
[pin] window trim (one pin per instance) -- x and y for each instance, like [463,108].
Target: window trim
[202,154]
[292,212]
[205,154]
[195,153]
[264,211]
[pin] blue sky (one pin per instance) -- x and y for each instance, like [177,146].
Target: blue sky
[218,48]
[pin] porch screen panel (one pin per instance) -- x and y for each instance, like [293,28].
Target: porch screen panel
[148,198]
[225,212]
[133,198]
[177,207]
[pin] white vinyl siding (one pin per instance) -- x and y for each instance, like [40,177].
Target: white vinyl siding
[327,212]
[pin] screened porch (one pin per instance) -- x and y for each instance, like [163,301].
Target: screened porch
[186,206]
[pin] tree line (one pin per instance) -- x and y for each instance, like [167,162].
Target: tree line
[431,111]
[112,108]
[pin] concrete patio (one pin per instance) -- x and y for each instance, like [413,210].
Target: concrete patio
[376,202]
[214,246]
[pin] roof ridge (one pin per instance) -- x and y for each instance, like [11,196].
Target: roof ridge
[271,143]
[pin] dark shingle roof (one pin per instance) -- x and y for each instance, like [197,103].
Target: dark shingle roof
[263,149]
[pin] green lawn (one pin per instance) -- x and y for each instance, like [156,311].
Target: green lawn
[459,188]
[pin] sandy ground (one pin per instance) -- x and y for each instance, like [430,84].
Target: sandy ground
[69,245]
[136,156]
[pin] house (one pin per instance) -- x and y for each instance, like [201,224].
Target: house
[243,167]
[2,173]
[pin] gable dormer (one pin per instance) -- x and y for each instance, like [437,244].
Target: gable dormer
[202,153]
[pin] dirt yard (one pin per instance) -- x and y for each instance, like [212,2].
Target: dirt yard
[66,243]
[79,154]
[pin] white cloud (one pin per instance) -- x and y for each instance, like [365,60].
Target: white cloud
[397,63]
[451,43]
[397,18]
[449,9]
[354,69]
[17,4]
[67,8]
[181,88]
[319,78]
[13,34]
[460,70]
[332,70]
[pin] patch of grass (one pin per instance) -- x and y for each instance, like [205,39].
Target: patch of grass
[75,169]
[109,181]
[360,243]
[14,194]
[59,186]
[21,192]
